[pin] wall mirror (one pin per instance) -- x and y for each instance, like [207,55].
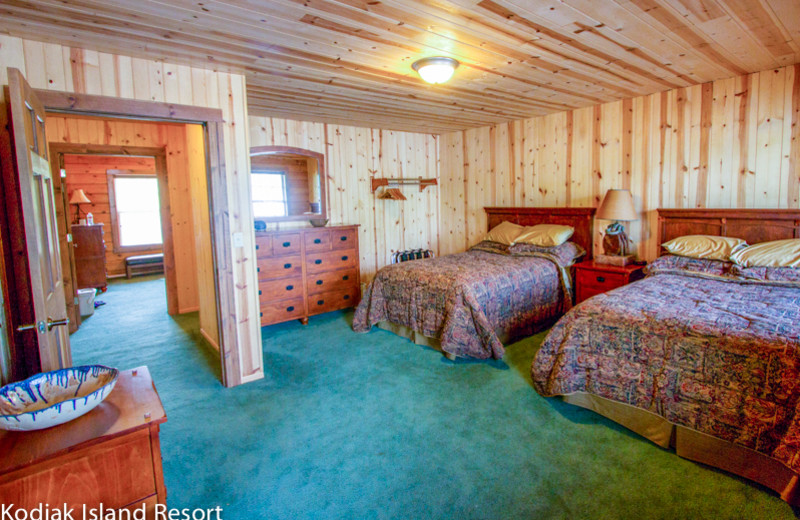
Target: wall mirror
[287,183]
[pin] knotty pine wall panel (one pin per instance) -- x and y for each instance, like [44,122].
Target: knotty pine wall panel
[57,67]
[732,143]
[352,156]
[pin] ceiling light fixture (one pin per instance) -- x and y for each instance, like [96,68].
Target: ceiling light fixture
[437,69]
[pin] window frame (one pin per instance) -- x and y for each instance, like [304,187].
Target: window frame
[112,175]
[284,176]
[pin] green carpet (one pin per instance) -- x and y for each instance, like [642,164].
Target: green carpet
[363,426]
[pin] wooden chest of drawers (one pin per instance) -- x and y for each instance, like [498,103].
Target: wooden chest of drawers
[592,278]
[303,272]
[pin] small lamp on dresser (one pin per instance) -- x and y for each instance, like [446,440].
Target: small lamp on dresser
[78,197]
[617,205]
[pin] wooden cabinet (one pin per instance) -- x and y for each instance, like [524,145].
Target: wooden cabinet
[592,278]
[304,272]
[110,456]
[90,256]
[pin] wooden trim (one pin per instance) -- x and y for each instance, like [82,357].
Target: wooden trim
[582,219]
[222,255]
[111,176]
[56,101]
[323,178]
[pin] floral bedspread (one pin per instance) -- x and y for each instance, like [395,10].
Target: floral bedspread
[465,299]
[718,356]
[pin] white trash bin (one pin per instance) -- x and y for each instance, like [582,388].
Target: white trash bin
[86,301]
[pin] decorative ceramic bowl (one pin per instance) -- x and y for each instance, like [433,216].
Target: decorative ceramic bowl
[53,398]
[318,222]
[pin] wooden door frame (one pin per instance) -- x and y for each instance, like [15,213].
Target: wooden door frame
[59,150]
[222,253]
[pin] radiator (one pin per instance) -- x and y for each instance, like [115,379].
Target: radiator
[411,254]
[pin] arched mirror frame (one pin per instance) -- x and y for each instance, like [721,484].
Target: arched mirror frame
[323,177]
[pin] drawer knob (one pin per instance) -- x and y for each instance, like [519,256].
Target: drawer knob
[317,261]
[601,279]
[320,302]
[317,241]
[346,277]
[319,282]
[287,244]
[346,296]
[343,239]
[290,308]
[289,287]
[344,258]
[287,266]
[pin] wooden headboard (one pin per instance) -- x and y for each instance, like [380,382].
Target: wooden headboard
[752,225]
[582,219]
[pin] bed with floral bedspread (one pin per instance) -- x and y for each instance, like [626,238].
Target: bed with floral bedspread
[469,301]
[707,346]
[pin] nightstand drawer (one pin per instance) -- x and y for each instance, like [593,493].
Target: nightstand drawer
[601,280]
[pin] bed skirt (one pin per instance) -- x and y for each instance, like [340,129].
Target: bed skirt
[420,339]
[696,446]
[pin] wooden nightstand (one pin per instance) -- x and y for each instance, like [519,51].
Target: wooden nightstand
[592,278]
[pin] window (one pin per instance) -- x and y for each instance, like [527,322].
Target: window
[136,212]
[269,193]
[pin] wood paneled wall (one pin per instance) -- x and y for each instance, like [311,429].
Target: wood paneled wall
[57,67]
[88,172]
[733,143]
[171,137]
[353,155]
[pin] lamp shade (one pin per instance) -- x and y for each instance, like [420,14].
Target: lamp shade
[617,205]
[79,197]
[437,69]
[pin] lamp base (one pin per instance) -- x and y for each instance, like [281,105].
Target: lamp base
[619,261]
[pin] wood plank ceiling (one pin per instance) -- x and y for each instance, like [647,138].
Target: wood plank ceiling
[349,61]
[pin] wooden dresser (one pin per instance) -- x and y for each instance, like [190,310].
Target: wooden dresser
[90,256]
[303,272]
[110,456]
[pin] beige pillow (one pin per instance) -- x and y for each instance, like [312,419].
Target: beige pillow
[504,233]
[779,253]
[546,235]
[704,246]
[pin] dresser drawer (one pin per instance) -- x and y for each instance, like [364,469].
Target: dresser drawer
[281,289]
[276,312]
[263,246]
[318,241]
[286,244]
[332,280]
[280,267]
[343,238]
[600,280]
[319,262]
[332,300]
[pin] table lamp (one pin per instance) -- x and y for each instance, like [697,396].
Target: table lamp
[617,205]
[78,198]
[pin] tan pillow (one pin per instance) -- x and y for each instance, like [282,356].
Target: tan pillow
[704,246]
[779,253]
[504,233]
[546,235]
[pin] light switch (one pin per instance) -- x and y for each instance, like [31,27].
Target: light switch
[238,239]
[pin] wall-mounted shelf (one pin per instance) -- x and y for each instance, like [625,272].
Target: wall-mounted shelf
[377,182]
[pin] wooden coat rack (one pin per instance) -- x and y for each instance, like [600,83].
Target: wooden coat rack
[377,182]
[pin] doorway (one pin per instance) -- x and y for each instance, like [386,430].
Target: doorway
[22,98]
[161,181]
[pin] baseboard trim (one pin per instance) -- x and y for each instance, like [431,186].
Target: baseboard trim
[209,340]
